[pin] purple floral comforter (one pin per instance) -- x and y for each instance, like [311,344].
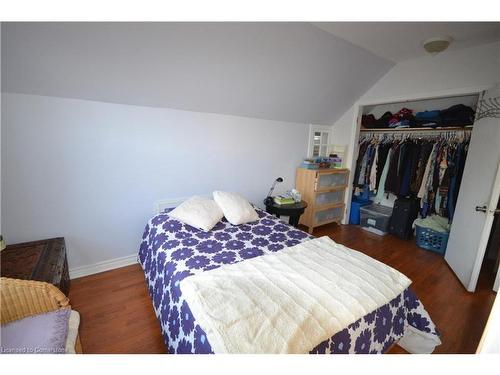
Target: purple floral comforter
[171,251]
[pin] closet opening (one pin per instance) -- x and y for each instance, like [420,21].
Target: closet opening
[409,167]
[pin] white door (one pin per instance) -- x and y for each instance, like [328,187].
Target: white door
[470,229]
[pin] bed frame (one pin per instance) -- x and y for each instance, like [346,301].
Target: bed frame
[162,204]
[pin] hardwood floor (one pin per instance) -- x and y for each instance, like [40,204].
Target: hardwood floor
[117,315]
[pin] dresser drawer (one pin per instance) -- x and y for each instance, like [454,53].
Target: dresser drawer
[329,215]
[328,181]
[329,198]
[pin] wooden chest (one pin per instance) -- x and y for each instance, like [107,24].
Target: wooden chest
[43,260]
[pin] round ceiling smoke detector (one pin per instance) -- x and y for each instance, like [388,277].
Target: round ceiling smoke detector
[438,44]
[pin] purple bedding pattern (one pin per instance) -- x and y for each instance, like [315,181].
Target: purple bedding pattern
[171,251]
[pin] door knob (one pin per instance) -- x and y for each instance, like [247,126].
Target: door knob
[485,209]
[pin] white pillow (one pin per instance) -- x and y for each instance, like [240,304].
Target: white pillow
[199,212]
[236,209]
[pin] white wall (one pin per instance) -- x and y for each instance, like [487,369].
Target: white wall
[490,341]
[0,140]
[91,171]
[439,74]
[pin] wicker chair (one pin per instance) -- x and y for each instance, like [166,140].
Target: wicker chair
[23,298]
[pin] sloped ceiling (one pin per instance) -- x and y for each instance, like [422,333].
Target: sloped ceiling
[281,71]
[400,41]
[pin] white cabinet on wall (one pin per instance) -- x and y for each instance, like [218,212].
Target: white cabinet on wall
[319,140]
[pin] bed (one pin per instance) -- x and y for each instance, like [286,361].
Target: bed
[171,251]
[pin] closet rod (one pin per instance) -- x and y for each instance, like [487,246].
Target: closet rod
[404,130]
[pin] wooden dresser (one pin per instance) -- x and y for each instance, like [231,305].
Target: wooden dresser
[43,260]
[323,190]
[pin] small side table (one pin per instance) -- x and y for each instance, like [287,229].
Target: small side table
[292,210]
[43,260]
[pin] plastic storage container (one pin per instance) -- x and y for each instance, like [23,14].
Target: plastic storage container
[331,180]
[430,239]
[329,215]
[310,166]
[356,204]
[329,198]
[375,218]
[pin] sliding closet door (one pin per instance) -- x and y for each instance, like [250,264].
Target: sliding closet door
[470,228]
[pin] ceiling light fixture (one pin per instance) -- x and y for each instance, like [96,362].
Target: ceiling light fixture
[437,44]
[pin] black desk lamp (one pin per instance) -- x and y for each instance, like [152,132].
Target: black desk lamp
[269,199]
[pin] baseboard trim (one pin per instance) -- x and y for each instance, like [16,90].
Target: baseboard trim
[105,265]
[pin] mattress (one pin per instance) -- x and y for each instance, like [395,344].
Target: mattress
[171,251]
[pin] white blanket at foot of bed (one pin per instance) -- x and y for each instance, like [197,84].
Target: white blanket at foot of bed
[289,301]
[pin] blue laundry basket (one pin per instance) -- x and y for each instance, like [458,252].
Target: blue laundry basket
[432,240]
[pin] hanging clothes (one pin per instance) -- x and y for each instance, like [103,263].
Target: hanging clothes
[425,151]
[427,194]
[383,152]
[456,177]
[425,177]
[391,182]
[408,165]
[361,155]
[364,164]
[373,171]
[381,190]
[361,163]
[429,168]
